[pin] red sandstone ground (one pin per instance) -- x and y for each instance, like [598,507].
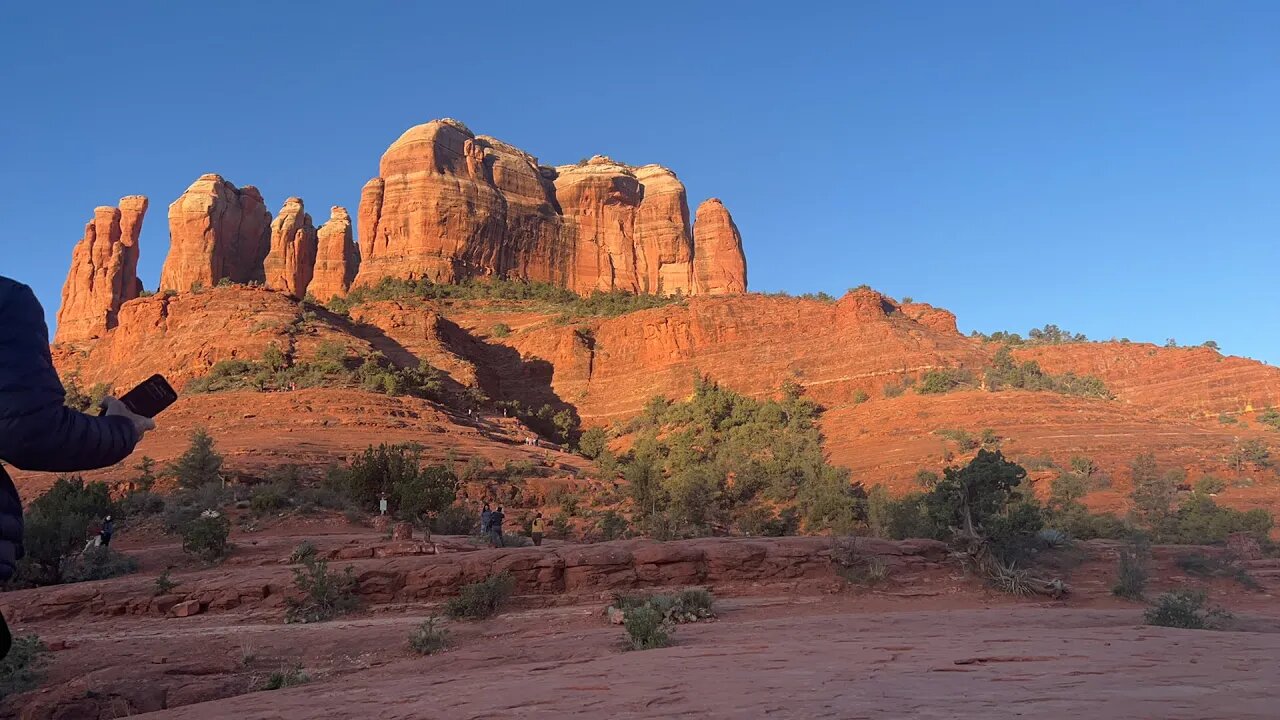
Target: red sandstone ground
[791,639]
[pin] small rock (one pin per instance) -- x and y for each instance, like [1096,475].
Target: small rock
[616,616]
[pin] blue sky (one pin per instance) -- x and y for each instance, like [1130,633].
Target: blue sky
[1113,168]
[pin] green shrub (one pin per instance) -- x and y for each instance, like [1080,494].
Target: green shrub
[325,595]
[186,505]
[141,504]
[1006,373]
[900,518]
[501,330]
[1270,417]
[593,443]
[1131,580]
[304,552]
[860,397]
[23,668]
[200,464]
[269,498]
[612,525]
[857,567]
[1184,609]
[56,526]
[455,520]
[646,627]
[936,382]
[164,584]
[99,563]
[429,638]
[413,490]
[286,677]
[483,599]
[961,438]
[206,536]
[1211,567]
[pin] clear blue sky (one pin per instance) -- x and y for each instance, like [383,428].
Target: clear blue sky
[1111,167]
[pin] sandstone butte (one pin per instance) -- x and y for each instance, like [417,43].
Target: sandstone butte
[291,259]
[449,205]
[104,271]
[337,257]
[216,231]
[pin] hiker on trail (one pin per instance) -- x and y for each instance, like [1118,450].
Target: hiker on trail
[538,528]
[382,504]
[486,516]
[38,432]
[495,527]
[108,529]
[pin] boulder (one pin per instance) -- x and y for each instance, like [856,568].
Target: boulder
[104,271]
[719,265]
[291,260]
[337,257]
[216,231]
[186,608]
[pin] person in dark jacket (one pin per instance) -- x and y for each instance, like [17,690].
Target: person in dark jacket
[495,527]
[37,432]
[108,529]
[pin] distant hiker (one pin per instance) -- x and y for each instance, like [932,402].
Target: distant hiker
[382,504]
[108,529]
[495,527]
[486,516]
[539,527]
[38,432]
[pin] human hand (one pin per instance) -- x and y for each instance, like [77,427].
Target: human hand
[140,424]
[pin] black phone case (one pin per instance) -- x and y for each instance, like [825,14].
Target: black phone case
[150,397]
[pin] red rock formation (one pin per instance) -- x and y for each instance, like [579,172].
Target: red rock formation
[664,237]
[599,200]
[291,261]
[533,247]
[438,215]
[337,258]
[216,231]
[104,271]
[719,266]
[449,205]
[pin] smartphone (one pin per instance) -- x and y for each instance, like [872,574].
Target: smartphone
[150,397]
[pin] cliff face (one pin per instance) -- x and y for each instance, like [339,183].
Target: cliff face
[720,267]
[449,206]
[216,231]
[337,257]
[291,260]
[104,271]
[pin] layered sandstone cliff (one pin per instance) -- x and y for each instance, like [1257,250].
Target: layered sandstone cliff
[291,260]
[216,231]
[104,271]
[337,257]
[719,268]
[448,206]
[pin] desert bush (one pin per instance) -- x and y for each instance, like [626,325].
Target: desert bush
[200,464]
[429,638]
[900,518]
[206,536]
[1211,567]
[164,584]
[1131,578]
[1270,417]
[483,599]
[269,498]
[186,505]
[413,490]
[860,397]
[1184,609]
[1007,373]
[455,520]
[646,627]
[593,443]
[501,330]
[1052,538]
[856,567]
[936,382]
[286,676]
[23,668]
[613,525]
[57,524]
[962,438]
[303,552]
[325,595]
[140,504]
[98,563]
[1250,452]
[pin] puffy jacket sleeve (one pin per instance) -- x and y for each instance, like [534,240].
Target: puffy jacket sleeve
[37,432]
